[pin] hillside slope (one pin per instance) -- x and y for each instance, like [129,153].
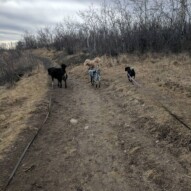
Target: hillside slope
[125,139]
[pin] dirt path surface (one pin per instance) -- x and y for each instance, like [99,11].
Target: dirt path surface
[111,148]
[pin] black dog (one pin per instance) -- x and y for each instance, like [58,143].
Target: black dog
[130,73]
[58,73]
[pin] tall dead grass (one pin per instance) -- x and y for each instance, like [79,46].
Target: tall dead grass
[17,104]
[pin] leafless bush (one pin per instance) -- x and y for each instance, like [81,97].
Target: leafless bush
[14,64]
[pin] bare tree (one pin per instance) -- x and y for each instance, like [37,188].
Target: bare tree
[122,26]
[30,40]
[44,37]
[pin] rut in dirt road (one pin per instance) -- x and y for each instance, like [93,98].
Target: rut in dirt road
[102,152]
[71,157]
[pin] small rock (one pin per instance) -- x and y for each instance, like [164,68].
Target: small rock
[126,125]
[73,121]
[157,141]
[86,127]
[71,151]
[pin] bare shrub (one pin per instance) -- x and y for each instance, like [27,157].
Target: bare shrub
[14,64]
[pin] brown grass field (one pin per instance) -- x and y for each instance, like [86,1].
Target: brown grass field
[128,137]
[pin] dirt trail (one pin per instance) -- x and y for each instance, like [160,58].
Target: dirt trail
[105,151]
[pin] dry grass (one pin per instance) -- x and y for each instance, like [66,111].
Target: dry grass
[164,79]
[18,104]
[43,52]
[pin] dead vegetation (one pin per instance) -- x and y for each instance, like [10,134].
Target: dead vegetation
[14,64]
[18,104]
[165,83]
[155,146]
[61,57]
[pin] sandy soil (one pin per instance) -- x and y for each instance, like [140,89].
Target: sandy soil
[124,139]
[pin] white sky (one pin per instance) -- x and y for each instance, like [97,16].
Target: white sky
[17,16]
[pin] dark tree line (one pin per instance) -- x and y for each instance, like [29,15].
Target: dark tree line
[119,27]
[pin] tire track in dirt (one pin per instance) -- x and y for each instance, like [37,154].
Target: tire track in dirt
[71,157]
[103,151]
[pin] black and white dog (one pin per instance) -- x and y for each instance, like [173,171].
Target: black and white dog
[95,77]
[130,73]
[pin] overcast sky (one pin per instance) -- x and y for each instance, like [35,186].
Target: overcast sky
[17,16]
